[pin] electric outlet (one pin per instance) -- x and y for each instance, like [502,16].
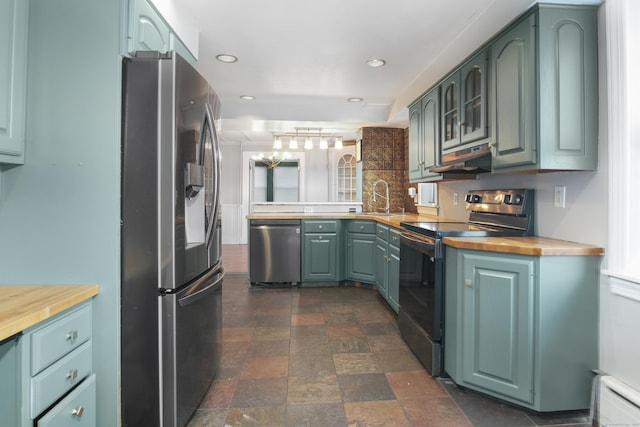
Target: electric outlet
[559,194]
[455,199]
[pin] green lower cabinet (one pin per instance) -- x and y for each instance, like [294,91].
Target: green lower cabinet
[319,257]
[382,250]
[522,328]
[321,250]
[361,251]
[393,278]
[10,385]
[387,266]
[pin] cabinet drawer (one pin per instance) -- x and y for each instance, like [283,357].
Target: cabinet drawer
[60,337]
[394,238]
[62,376]
[382,231]
[77,409]
[320,226]
[361,227]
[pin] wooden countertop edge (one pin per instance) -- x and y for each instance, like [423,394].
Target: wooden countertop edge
[24,306]
[536,246]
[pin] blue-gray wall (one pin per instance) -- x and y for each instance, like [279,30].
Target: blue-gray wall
[59,212]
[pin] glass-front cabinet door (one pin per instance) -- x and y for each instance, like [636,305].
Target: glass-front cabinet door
[473,120]
[450,106]
[464,103]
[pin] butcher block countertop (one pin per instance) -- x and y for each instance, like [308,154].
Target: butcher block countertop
[23,306]
[537,246]
[393,219]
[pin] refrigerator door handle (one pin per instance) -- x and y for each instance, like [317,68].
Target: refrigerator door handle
[202,287]
[208,119]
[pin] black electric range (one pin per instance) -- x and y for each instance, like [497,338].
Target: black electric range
[421,315]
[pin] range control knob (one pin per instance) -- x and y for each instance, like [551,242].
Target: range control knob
[517,199]
[474,198]
[507,199]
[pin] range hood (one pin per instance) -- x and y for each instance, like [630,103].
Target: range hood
[471,161]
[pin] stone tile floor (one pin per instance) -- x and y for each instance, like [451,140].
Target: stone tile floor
[333,356]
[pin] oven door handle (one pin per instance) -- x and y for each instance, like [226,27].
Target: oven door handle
[423,244]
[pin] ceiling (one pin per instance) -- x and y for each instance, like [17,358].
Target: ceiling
[302,59]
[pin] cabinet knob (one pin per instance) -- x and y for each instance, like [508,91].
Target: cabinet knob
[348,245]
[467,282]
[72,335]
[362,227]
[319,227]
[319,237]
[72,374]
[78,412]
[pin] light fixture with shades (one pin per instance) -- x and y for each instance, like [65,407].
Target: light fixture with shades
[293,142]
[308,143]
[272,160]
[308,134]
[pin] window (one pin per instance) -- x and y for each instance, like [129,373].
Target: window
[346,176]
[623,37]
[278,184]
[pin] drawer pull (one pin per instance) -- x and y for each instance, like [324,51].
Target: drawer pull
[319,227]
[78,412]
[72,336]
[72,374]
[362,227]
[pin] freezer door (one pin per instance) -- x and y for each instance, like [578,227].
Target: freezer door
[192,335]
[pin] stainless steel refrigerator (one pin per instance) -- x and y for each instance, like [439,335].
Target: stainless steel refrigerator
[172,275]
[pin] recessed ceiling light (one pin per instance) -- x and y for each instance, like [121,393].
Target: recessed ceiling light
[375,63]
[224,57]
[247,97]
[354,99]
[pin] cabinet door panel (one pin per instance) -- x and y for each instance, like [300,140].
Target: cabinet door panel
[415,142]
[473,95]
[361,257]
[431,132]
[148,30]
[568,49]
[381,266]
[13,75]
[497,326]
[320,254]
[393,275]
[514,102]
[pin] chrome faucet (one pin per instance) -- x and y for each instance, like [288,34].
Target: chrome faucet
[386,196]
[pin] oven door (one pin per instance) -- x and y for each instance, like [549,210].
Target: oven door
[421,299]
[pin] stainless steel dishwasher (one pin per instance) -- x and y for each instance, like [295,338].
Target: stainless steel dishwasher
[274,251]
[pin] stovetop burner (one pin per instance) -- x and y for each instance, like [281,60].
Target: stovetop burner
[458,229]
[493,213]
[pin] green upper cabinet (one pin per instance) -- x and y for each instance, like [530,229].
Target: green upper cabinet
[464,103]
[14,17]
[424,136]
[544,91]
[149,31]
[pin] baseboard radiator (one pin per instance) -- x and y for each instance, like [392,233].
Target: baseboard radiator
[616,403]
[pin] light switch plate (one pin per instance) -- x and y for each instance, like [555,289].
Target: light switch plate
[559,195]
